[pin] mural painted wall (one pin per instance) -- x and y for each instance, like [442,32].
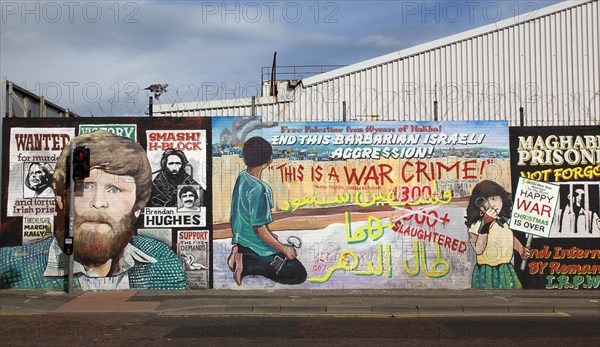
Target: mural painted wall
[568,256]
[302,205]
[141,219]
[353,205]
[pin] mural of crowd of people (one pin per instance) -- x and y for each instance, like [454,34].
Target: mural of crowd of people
[313,205]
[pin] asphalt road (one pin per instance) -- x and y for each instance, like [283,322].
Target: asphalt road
[452,329]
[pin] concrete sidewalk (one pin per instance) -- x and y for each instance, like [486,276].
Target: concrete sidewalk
[303,302]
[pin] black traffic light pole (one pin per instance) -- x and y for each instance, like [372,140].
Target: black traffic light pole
[71,221]
[80,169]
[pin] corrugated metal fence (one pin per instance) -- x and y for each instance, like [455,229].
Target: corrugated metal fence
[543,70]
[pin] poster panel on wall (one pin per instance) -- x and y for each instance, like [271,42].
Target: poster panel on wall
[125,130]
[569,158]
[114,245]
[193,250]
[351,205]
[164,235]
[534,207]
[31,162]
[178,160]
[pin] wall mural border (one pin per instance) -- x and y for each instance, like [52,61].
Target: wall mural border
[308,205]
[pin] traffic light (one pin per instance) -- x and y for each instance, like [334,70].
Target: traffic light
[81,163]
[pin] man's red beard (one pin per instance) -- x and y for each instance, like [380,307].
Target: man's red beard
[94,248]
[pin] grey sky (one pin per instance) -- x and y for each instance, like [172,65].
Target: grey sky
[96,57]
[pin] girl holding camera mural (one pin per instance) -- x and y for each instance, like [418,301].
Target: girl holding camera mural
[487,218]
